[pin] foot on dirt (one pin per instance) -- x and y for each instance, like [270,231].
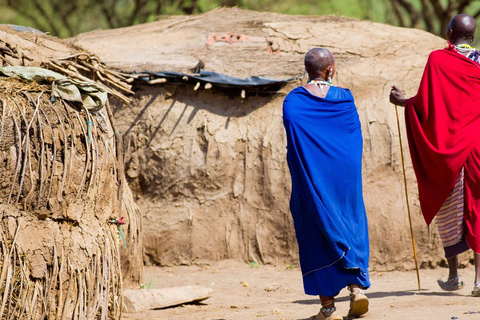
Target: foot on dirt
[476,290]
[358,303]
[451,284]
[327,314]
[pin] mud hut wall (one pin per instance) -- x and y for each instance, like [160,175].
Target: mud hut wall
[54,227]
[60,253]
[209,171]
[207,184]
[212,180]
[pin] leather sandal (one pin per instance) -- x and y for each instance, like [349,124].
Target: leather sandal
[476,290]
[330,314]
[358,303]
[327,314]
[451,284]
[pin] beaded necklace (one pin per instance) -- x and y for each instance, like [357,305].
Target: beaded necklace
[468,51]
[464,46]
[321,84]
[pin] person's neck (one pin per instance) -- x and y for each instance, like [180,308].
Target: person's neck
[319,78]
[459,42]
[319,81]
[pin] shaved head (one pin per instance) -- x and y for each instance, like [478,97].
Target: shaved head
[461,29]
[317,60]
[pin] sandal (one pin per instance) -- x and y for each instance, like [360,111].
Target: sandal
[358,303]
[330,314]
[476,290]
[327,314]
[451,284]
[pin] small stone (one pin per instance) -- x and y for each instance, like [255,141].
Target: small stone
[272,287]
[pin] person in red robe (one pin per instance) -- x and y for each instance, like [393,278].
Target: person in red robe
[443,129]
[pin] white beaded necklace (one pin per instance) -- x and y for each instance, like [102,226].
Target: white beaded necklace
[321,84]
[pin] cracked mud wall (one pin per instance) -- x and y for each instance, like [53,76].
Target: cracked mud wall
[213,189]
[209,170]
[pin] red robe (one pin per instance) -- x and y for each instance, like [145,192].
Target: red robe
[443,128]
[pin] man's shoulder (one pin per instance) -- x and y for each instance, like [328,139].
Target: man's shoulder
[445,53]
[438,53]
[342,93]
[343,89]
[443,56]
[295,92]
[450,56]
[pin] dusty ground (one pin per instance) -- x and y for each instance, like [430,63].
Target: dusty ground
[242,291]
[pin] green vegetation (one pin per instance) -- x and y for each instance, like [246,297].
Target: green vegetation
[68,18]
[148,285]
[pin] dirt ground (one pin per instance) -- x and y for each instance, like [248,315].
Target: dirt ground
[242,291]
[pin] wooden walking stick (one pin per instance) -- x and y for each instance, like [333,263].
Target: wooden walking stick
[406,197]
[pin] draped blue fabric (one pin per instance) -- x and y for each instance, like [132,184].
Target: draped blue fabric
[324,155]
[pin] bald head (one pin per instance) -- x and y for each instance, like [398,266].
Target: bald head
[461,29]
[317,62]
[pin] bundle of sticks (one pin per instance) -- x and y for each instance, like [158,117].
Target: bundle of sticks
[87,67]
[81,66]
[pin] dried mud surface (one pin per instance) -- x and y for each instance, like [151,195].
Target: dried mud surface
[208,170]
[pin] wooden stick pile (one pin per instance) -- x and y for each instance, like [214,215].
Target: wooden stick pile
[80,66]
[85,67]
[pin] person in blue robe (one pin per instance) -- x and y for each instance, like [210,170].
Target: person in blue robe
[324,155]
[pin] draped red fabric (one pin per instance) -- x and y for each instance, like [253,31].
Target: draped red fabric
[443,128]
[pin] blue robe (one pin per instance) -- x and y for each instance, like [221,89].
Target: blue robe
[324,155]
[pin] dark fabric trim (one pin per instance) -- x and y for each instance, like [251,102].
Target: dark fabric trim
[456,249]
